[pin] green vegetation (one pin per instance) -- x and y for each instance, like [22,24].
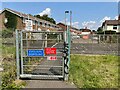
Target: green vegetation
[11,20]
[9,75]
[94,71]
[7,33]
[45,17]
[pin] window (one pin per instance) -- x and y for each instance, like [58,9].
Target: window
[38,23]
[33,22]
[43,24]
[24,20]
[114,26]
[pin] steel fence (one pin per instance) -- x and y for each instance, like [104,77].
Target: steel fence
[95,44]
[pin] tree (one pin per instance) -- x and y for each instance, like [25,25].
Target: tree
[100,30]
[12,20]
[45,17]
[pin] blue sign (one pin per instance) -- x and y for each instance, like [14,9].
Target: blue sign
[35,53]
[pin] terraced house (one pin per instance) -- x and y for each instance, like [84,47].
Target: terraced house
[25,21]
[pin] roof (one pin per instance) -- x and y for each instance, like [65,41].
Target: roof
[85,30]
[111,22]
[65,25]
[26,16]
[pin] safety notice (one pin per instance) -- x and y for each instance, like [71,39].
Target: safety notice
[50,51]
[51,58]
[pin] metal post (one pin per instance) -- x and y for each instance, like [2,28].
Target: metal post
[21,53]
[46,40]
[65,29]
[68,41]
[17,55]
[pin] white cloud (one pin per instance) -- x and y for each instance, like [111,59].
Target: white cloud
[75,24]
[47,11]
[0,11]
[105,18]
[93,25]
[116,17]
[90,24]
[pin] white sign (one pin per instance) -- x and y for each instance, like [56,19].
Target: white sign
[28,24]
[51,58]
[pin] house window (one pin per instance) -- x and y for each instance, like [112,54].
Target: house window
[24,20]
[114,26]
[48,25]
[38,23]
[33,22]
[43,24]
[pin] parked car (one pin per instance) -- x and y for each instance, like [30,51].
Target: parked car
[75,37]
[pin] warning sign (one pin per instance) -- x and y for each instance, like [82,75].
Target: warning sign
[50,51]
[51,58]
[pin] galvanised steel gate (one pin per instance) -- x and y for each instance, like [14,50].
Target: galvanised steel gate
[40,54]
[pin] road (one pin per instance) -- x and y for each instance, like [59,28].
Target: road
[80,46]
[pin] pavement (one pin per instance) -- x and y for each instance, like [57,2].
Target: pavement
[48,84]
[47,67]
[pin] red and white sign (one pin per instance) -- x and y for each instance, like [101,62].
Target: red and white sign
[50,51]
[51,58]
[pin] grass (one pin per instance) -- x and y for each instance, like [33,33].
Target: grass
[9,64]
[94,71]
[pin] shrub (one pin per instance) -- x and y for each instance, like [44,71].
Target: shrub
[7,33]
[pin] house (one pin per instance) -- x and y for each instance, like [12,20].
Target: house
[85,33]
[26,21]
[111,25]
[73,30]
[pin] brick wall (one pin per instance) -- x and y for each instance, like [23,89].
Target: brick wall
[2,18]
[20,24]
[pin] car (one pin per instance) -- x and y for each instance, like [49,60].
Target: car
[95,38]
[75,37]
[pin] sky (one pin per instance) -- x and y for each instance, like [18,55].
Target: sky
[84,14]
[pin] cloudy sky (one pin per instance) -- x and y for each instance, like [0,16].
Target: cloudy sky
[84,14]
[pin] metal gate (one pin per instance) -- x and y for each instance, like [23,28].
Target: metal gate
[40,54]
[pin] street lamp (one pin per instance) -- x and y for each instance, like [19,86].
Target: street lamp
[67,45]
[66,27]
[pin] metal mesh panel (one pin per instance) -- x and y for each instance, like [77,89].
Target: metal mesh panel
[41,66]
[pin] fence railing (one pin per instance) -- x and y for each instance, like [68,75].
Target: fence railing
[95,44]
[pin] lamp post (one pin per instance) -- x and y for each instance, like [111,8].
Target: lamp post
[67,46]
[66,26]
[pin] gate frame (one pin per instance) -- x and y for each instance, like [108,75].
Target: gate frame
[19,50]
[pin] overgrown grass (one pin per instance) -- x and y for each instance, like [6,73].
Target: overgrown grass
[94,71]
[9,65]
